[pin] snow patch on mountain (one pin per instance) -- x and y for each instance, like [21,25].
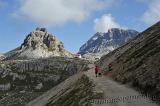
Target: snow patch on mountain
[95,38]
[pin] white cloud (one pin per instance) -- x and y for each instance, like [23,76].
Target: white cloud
[152,15]
[58,12]
[104,23]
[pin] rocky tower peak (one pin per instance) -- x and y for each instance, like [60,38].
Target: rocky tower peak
[40,38]
[38,44]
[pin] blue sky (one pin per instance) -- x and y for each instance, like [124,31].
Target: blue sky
[72,21]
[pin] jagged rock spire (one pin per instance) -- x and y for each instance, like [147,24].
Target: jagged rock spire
[40,43]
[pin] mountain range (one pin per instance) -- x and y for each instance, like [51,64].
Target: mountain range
[103,43]
[40,72]
[135,63]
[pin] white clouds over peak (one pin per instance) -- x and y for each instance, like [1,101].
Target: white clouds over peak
[104,23]
[152,15]
[59,12]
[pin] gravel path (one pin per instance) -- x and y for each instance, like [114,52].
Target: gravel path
[116,94]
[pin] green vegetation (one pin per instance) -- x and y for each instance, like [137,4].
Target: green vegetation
[51,49]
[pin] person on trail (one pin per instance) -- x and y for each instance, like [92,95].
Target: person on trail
[110,67]
[98,71]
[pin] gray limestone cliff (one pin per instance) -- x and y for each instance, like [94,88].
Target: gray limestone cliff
[39,44]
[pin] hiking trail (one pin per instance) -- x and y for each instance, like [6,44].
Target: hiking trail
[116,94]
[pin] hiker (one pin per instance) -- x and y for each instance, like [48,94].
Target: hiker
[110,67]
[98,71]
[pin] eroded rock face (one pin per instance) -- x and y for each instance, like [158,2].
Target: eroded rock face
[138,62]
[40,38]
[28,79]
[39,44]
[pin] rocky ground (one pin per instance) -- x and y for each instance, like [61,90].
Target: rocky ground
[23,80]
[75,91]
